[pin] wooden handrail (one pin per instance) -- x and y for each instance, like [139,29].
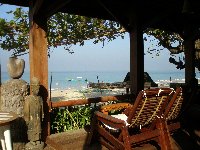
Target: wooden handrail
[90,100]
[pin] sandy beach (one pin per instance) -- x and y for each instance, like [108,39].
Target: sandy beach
[73,94]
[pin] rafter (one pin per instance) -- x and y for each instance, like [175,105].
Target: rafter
[116,18]
[54,7]
[37,6]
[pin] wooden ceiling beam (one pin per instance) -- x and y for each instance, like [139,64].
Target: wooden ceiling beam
[23,3]
[54,7]
[164,15]
[37,6]
[114,16]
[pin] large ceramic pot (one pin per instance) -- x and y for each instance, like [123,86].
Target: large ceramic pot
[15,67]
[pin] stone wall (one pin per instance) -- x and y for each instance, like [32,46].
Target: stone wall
[13,94]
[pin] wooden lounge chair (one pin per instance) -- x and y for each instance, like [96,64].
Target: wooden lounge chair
[173,110]
[124,131]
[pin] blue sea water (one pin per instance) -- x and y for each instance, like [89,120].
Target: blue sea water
[79,80]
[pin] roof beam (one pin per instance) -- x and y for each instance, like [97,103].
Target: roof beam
[54,7]
[165,16]
[37,6]
[23,3]
[113,15]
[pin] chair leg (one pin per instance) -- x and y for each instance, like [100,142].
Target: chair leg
[91,131]
[126,139]
[164,137]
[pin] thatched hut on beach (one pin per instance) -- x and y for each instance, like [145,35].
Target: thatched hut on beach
[147,79]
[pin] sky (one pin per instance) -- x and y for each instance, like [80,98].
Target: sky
[114,56]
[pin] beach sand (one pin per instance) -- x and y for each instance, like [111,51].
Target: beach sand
[73,94]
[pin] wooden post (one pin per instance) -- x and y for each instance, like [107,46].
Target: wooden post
[136,59]
[189,62]
[39,63]
[189,49]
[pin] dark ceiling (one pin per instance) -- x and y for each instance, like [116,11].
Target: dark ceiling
[170,15]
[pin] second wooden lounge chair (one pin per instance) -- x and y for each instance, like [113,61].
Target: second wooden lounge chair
[124,131]
[173,110]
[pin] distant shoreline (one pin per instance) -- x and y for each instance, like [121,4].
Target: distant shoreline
[66,80]
[73,94]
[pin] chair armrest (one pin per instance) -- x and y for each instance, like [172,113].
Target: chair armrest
[119,106]
[109,120]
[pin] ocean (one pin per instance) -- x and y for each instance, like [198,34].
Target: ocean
[79,79]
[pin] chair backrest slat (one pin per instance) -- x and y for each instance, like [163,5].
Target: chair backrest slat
[147,105]
[174,107]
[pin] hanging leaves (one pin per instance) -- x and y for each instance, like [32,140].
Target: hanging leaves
[67,30]
[174,43]
[63,30]
[14,33]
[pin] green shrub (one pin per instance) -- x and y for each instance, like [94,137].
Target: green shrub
[70,118]
[74,117]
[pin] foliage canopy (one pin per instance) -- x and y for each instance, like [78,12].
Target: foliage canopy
[67,30]
[63,29]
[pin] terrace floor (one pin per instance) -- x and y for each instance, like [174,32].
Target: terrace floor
[75,140]
[71,140]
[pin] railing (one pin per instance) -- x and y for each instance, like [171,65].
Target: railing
[75,114]
[64,103]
